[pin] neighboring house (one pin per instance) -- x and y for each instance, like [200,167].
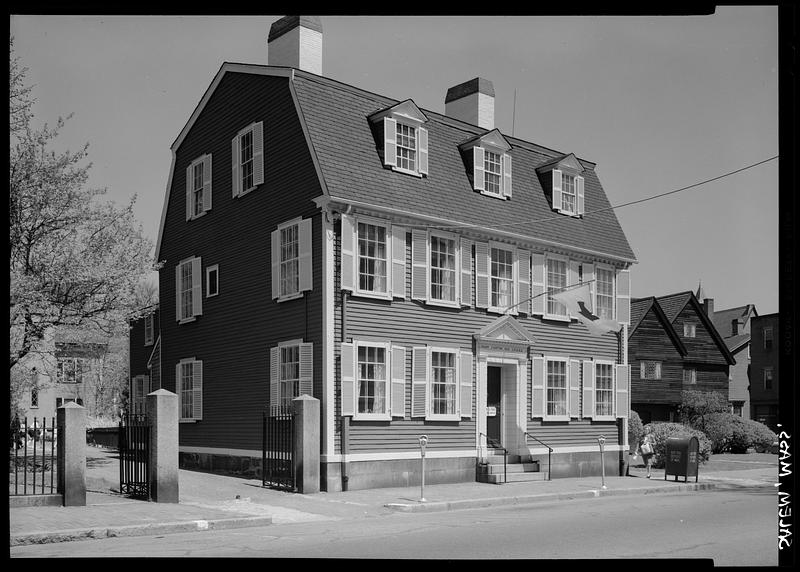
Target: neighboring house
[672,347]
[397,264]
[145,358]
[764,370]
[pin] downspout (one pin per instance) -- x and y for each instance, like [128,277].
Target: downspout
[345,420]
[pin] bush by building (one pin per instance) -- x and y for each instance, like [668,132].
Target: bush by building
[635,431]
[733,434]
[663,431]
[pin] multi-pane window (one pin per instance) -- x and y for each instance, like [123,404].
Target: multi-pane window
[372,258]
[605,293]
[767,378]
[212,281]
[289,374]
[689,330]
[443,268]
[444,383]
[556,387]
[187,388]
[690,375]
[34,397]
[289,260]
[568,194]
[556,282]
[246,160]
[493,174]
[197,188]
[604,389]
[650,370]
[502,278]
[185,290]
[148,329]
[71,369]
[372,379]
[406,147]
[767,338]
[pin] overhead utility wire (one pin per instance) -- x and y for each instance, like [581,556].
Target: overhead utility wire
[533,221]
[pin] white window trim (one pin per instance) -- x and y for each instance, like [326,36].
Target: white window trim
[148,341]
[565,360]
[613,271]
[692,378]
[642,369]
[689,330]
[182,419]
[193,317]
[514,278]
[387,414]
[612,416]
[456,415]
[250,128]
[416,124]
[569,173]
[206,185]
[457,253]
[497,151]
[210,269]
[282,226]
[387,225]
[547,315]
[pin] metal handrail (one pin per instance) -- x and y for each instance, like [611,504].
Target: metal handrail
[505,457]
[549,452]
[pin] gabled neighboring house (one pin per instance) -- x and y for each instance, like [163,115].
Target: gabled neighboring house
[396,263]
[145,358]
[673,346]
[764,370]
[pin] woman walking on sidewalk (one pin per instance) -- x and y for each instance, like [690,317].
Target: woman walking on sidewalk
[647,448]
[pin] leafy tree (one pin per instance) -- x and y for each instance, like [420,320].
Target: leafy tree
[75,259]
[696,406]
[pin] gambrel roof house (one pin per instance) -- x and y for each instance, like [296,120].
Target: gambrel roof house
[396,263]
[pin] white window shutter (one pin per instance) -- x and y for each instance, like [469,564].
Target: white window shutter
[422,138]
[274,378]
[588,389]
[347,260]
[641,370]
[179,390]
[419,382]
[574,388]
[524,273]
[623,315]
[197,287]
[178,304]
[306,380]
[621,396]
[389,142]
[537,284]
[235,161]
[398,403]
[466,272]
[572,276]
[197,390]
[588,277]
[258,153]
[481,274]
[305,261]
[478,169]
[465,397]
[399,262]
[207,183]
[537,388]
[419,264]
[579,192]
[556,190]
[348,368]
[189,186]
[507,175]
[275,254]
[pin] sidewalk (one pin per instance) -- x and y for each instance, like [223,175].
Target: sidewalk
[214,502]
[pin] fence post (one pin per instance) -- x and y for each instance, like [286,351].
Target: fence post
[71,437]
[162,414]
[306,444]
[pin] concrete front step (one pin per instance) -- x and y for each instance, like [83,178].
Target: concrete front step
[513,477]
[495,468]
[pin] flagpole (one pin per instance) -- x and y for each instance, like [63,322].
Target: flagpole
[564,289]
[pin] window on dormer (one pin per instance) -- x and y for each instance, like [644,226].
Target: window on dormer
[404,138]
[563,181]
[406,147]
[493,174]
[248,159]
[568,196]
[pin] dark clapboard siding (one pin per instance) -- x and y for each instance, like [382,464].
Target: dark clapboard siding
[139,353]
[702,348]
[237,328]
[650,342]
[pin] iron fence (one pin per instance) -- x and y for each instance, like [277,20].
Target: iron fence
[33,457]
[134,456]
[277,463]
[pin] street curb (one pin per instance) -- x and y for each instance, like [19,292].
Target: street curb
[138,530]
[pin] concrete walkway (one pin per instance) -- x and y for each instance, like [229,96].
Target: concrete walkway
[214,502]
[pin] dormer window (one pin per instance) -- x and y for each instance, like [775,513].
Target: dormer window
[488,162]
[405,140]
[493,175]
[562,180]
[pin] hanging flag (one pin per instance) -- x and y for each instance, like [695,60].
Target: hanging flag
[579,304]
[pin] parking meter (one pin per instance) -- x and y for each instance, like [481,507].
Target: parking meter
[602,441]
[423,441]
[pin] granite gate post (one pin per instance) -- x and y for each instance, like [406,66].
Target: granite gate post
[162,413]
[71,443]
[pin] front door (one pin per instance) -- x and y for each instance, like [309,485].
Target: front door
[493,399]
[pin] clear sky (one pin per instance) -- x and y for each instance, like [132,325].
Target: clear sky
[658,103]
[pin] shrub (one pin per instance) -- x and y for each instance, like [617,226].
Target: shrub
[663,431]
[635,431]
[731,433]
[697,406]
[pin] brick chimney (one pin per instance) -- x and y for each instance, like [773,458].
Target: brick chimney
[296,41]
[708,306]
[472,102]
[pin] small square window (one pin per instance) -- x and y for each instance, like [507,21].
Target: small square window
[689,330]
[650,370]
[690,375]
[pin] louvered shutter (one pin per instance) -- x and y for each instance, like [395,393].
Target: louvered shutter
[207,183]
[477,168]
[179,390]
[348,368]
[398,262]
[235,161]
[197,390]
[258,153]
[524,296]
[537,388]
[466,272]
[398,403]
[588,277]
[621,396]
[197,287]
[624,297]
[507,175]
[572,277]
[347,260]
[556,189]
[306,381]
[579,192]
[465,397]
[276,264]
[178,293]
[304,255]
[537,284]
[422,138]
[419,382]
[389,142]
[189,192]
[481,274]
[588,389]
[574,388]
[274,378]
[419,264]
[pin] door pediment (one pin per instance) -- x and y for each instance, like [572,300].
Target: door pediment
[505,335]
